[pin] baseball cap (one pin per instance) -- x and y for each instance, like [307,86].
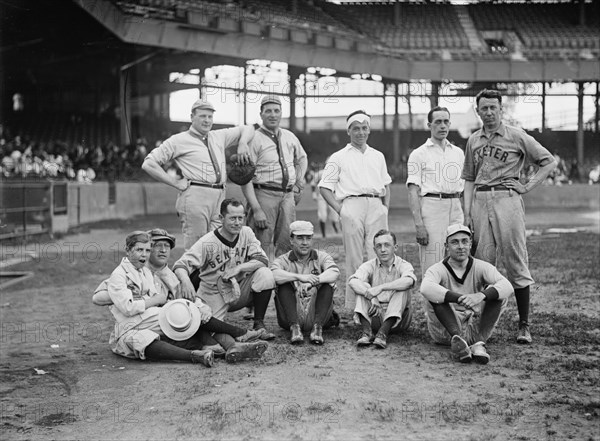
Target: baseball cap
[270,99]
[161,234]
[202,104]
[457,228]
[302,228]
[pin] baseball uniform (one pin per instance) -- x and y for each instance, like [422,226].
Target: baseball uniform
[499,213]
[212,254]
[317,263]
[276,156]
[479,275]
[201,160]
[437,172]
[396,304]
[358,180]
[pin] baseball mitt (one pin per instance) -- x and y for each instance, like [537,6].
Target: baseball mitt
[237,173]
[230,290]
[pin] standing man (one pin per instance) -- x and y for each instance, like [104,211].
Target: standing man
[435,187]
[494,158]
[200,155]
[383,288]
[305,279]
[356,184]
[465,297]
[277,186]
[233,254]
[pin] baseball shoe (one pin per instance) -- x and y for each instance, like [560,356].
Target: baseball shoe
[524,336]
[460,349]
[297,336]
[246,351]
[365,339]
[316,335]
[479,353]
[218,350]
[380,340]
[266,335]
[205,357]
[250,335]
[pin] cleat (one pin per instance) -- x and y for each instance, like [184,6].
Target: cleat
[460,349]
[205,357]
[266,335]
[479,353]
[316,335]
[246,351]
[251,335]
[365,339]
[380,340]
[297,336]
[524,336]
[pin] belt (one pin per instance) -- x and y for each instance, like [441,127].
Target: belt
[364,196]
[492,187]
[443,195]
[269,187]
[203,184]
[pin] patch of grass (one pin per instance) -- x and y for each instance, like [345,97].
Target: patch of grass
[381,410]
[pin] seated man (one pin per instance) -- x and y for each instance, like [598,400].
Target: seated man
[382,287]
[466,297]
[235,346]
[233,254]
[305,279]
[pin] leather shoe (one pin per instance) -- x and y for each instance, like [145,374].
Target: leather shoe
[204,356]
[246,351]
[297,336]
[316,335]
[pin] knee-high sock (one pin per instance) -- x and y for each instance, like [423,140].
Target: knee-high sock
[261,303]
[324,298]
[322,224]
[161,350]
[287,297]
[489,317]
[364,323]
[216,325]
[445,314]
[522,297]
[387,325]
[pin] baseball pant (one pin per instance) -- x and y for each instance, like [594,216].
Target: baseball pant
[260,280]
[398,307]
[437,215]
[305,309]
[198,211]
[472,329]
[360,218]
[499,224]
[280,209]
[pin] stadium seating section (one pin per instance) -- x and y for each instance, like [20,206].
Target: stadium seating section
[411,29]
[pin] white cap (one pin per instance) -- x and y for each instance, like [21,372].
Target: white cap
[457,228]
[301,228]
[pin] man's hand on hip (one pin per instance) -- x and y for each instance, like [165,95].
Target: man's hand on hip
[422,235]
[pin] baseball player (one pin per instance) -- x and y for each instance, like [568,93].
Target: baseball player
[305,279]
[382,287]
[356,184]
[229,252]
[239,344]
[200,155]
[465,298]
[435,187]
[494,158]
[278,183]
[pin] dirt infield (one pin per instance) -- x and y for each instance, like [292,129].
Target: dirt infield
[412,390]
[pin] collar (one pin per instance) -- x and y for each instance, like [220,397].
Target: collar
[129,267]
[197,134]
[501,130]
[270,132]
[312,255]
[430,143]
[379,264]
[462,279]
[349,146]
[231,244]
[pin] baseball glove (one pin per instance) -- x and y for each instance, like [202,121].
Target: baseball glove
[230,290]
[237,173]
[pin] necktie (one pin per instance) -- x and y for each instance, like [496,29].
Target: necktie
[284,170]
[213,158]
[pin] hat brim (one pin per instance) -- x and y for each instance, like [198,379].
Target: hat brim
[168,239]
[179,335]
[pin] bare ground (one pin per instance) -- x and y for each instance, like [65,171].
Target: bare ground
[412,390]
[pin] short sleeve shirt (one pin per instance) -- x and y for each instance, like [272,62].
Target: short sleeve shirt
[317,263]
[191,153]
[350,172]
[263,152]
[435,169]
[494,157]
